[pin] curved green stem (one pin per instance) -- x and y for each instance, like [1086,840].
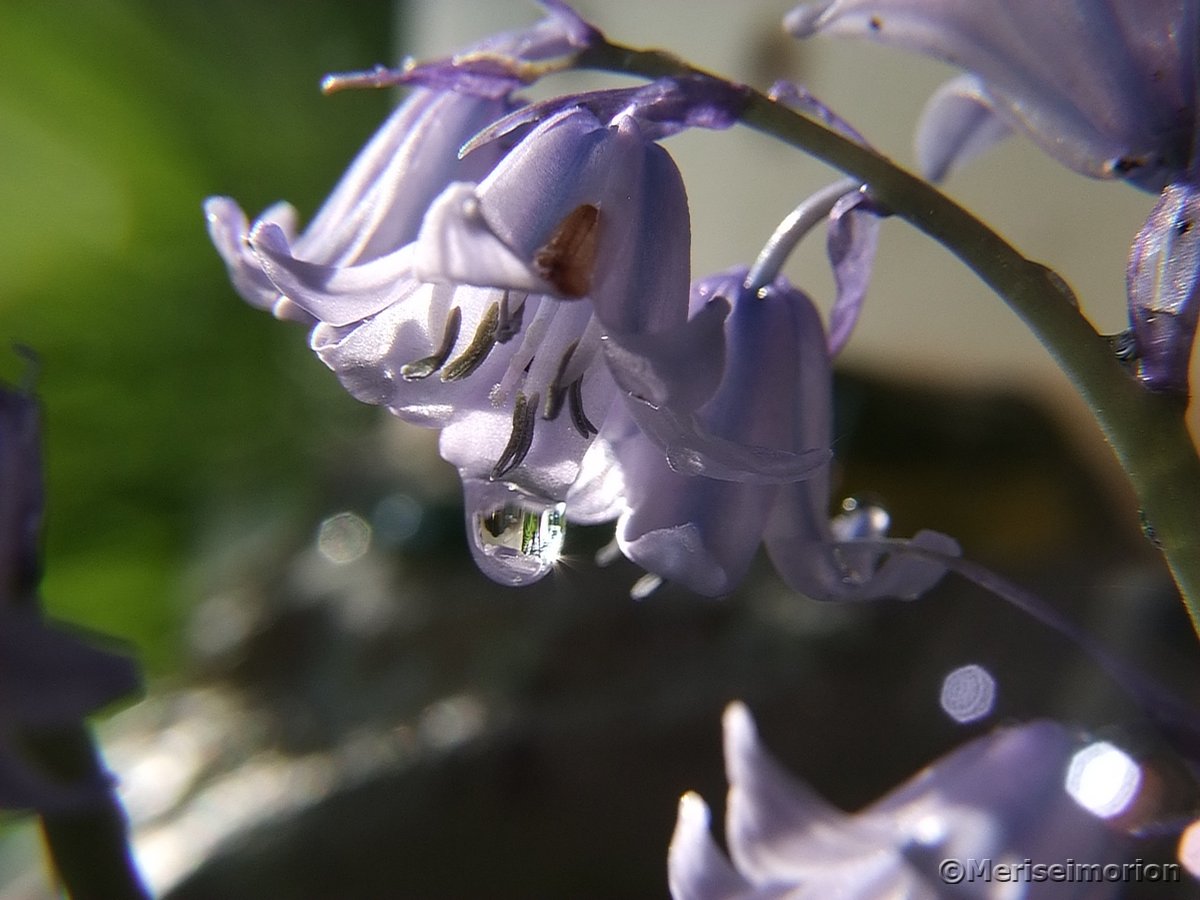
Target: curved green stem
[1146,431]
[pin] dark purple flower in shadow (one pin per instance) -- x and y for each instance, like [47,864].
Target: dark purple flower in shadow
[50,677]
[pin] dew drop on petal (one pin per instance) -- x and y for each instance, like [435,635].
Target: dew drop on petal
[685,461]
[1103,779]
[860,518]
[516,538]
[968,693]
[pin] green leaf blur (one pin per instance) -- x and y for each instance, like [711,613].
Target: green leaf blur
[166,399]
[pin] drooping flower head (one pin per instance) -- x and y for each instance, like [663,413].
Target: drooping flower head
[1012,795]
[748,439]
[1107,88]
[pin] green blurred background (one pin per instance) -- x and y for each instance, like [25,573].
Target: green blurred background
[169,404]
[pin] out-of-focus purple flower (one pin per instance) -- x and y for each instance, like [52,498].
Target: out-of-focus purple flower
[737,433]
[1108,89]
[1006,797]
[49,678]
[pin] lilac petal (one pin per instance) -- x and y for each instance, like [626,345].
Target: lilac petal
[852,238]
[475,441]
[662,108]
[229,230]
[1098,85]
[811,560]
[643,256]
[696,869]
[1163,282]
[524,228]
[681,367]
[50,677]
[700,532]
[598,493]
[336,295]
[373,358]
[458,246]
[603,104]
[691,449]
[716,443]
[492,68]
[1000,795]
[379,203]
[801,99]
[783,835]
[957,125]
[576,30]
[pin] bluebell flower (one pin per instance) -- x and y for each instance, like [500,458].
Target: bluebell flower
[1015,794]
[1108,89]
[49,677]
[539,316]
[491,324]
[747,438]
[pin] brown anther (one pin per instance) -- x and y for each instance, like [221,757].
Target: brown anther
[568,258]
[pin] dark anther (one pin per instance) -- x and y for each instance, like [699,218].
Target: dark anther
[523,419]
[578,417]
[567,259]
[510,324]
[479,348]
[423,368]
[557,392]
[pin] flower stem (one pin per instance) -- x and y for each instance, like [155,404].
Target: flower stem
[89,846]
[1146,431]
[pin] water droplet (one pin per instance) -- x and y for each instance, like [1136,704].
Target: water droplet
[968,693]
[516,538]
[685,461]
[860,518]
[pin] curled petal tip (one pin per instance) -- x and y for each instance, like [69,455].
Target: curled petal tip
[805,20]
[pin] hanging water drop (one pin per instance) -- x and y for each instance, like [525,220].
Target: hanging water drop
[516,538]
[860,518]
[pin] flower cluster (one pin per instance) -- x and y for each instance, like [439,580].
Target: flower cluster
[518,276]
[1108,89]
[49,678]
[1035,792]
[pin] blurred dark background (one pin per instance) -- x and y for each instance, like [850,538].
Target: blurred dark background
[339,705]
